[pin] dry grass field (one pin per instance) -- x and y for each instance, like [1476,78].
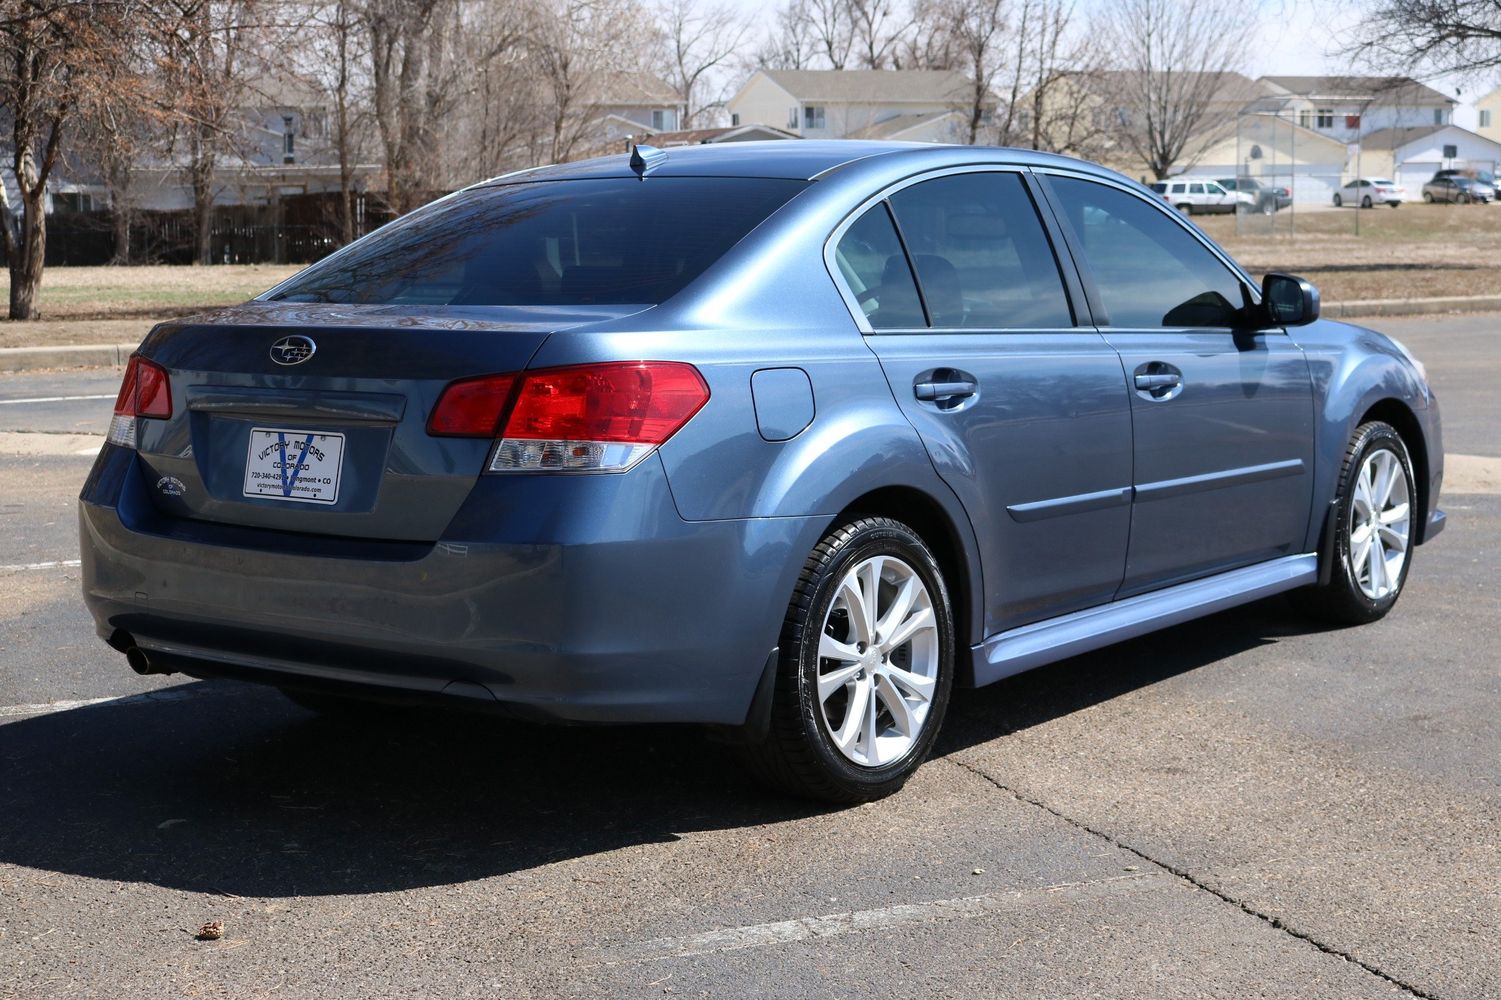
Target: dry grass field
[116,305]
[1416,251]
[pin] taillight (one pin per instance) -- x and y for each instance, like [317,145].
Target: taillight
[471,407]
[146,391]
[583,418]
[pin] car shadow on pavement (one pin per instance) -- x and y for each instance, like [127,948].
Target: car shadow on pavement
[233,789]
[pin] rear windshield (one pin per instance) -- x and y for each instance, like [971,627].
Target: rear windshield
[613,241]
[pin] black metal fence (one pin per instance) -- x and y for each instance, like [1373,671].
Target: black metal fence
[299,229]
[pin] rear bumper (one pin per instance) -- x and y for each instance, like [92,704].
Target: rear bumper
[570,598]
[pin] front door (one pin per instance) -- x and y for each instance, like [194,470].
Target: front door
[1023,412]
[1222,413]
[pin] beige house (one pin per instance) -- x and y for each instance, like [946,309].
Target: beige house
[921,105]
[1488,111]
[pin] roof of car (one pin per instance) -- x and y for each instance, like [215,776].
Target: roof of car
[800,159]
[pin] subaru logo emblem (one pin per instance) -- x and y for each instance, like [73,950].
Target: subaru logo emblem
[293,350]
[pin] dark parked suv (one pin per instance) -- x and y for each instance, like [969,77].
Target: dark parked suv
[1265,198]
[792,440]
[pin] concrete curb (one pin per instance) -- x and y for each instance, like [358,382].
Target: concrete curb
[17,359]
[1412,307]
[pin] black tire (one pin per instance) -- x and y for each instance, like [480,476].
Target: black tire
[1186,209]
[1463,199]
[1428,197]
[798,754]
[1365,202]
[1341,600]
[1339,202]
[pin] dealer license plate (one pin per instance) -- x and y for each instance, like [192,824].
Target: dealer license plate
[294,465]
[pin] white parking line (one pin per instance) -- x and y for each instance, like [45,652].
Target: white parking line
[55,564]
[47,708]
[54,399]
[837,924]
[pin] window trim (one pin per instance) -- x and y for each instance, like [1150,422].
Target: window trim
[1074,293]
[1101,316]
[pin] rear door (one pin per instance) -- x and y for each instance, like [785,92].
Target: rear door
[1222,414]
[1023,411]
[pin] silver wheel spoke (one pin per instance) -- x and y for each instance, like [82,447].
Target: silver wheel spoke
[830,648]
[918,621]
[1395,514]
[854,718]
[834,680]
[1393,540]
[872,746]
[862,627]
[1376,563]
[901,713]
[921,687]
[901,604]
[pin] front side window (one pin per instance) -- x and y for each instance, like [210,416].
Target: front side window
[982,258]
[614,241]
[870,258]
[1149,271]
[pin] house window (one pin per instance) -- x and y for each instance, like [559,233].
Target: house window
[1352,121]
[1326,118]
[792,117]
[1305,118]
[663,121]
[1438,116]
[734,119]
[813,116]
[288,139]
[1485,119]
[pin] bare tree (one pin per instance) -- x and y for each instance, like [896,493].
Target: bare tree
[1177,58]
[53,60]
[340,42]
[973,37]
[699,39]
[1437,36]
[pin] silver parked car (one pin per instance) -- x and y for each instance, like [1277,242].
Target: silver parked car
[1369,191]
[1457,190]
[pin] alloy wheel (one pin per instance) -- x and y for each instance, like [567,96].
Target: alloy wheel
[878,660]
[1380,522]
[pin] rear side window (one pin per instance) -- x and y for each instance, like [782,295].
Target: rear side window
[982,258]
[615,241]
[1149,271]
[870,257]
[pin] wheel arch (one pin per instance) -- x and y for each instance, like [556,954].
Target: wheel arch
[1405,422]
[953,546]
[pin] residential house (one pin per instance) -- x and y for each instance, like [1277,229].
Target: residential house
[1348,107]
[1411,156]
[1488,115]
[920,105]
[630,104]
[702,136]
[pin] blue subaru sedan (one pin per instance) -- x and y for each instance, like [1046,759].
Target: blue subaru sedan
[787,439]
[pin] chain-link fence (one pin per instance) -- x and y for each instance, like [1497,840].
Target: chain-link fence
[1303,170]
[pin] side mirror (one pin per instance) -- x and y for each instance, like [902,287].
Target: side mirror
[1289,300]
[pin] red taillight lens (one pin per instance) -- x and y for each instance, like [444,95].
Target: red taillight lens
[638,402]
[583,418]
[471,407]
[145,391]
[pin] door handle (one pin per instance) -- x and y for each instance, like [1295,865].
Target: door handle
[944,390]
[1159,380]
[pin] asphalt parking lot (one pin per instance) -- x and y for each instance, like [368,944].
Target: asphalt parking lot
[1244,806]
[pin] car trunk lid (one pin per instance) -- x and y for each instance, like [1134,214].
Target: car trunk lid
[336,442]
